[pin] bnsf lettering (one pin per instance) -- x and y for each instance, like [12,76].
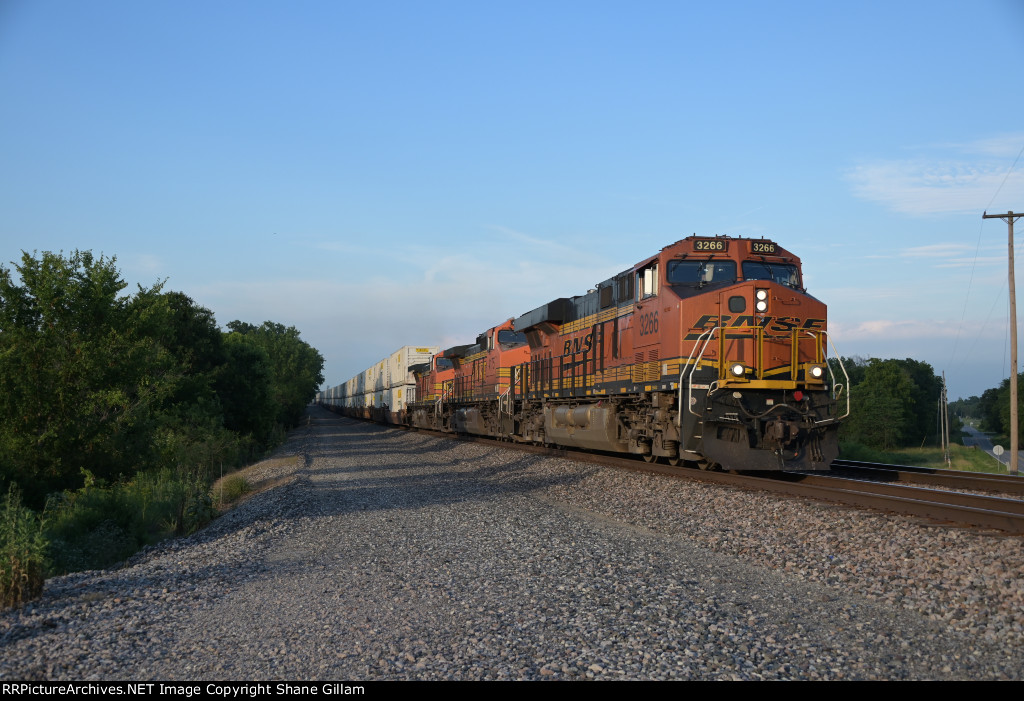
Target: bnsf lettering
[785,324]
[781,324]
[578,345]
[748,320]
[648,323]
[706,322]
[709,321]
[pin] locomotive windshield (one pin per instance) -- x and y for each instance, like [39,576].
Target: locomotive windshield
[700,272]
[776,272]
[511,338]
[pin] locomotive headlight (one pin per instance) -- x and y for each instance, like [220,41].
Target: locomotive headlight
[817,372]
[761,300]
[737,369]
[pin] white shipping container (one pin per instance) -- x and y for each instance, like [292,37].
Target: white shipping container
[402,359]
[399,397]
[385,382]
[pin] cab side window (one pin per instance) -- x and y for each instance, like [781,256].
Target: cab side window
[647,282]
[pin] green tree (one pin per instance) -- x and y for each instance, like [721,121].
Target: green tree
[296,368]
[244,388]
[894,403]
[77,382]
[95,383]
[855,367]
[988,408]
[923,402]
[970,407]
[189,335]
[996,403]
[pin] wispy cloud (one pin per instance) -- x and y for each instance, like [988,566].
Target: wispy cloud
[942,180]
[1004,146]
[363,312]
[953,255]
[936,250]
[980,262]
[914,329]
[945,255]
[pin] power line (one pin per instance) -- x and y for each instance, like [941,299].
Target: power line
[967,297]
[1005,177]
[981,331]
[974,263]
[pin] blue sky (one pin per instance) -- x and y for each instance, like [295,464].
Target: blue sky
[391,173]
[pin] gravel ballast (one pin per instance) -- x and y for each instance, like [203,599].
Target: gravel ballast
[383,554]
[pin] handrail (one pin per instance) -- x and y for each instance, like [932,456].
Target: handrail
[835,384]
[696,362]
[445,393]
[690,367]
[689,396]
[503,399]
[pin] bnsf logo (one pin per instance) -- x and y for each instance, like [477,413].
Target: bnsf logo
[648,323]
[777,324]
[578,345]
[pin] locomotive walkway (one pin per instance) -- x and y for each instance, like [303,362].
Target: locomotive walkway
[390,555]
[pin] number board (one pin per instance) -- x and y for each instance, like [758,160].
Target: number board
[711,245]
[765,247]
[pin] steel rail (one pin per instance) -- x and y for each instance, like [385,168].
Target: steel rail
[930,475]
[981,511]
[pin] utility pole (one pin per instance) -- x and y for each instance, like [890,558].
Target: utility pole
[944,418]
[1010,218]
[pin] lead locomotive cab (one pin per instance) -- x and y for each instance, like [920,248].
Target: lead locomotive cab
[710,351]
[759,393]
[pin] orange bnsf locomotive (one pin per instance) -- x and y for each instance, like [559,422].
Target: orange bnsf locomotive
[475,388]
[710,352]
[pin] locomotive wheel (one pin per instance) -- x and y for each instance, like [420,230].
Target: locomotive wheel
[675,462]
[650,458]
[709,466]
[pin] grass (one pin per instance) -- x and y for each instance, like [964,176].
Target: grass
[93,527]
[102,524]
[98,526]
[963,458]
[232,489]
[22,552]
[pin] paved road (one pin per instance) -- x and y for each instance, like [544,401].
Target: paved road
[982,441]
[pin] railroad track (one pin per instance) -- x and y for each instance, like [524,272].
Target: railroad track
[861,485]
[942,505]
[954,479]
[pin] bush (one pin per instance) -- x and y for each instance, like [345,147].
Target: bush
[852,450]
[97,526]
[22,552]
[231,488]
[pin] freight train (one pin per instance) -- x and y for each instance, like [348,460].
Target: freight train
[710,352]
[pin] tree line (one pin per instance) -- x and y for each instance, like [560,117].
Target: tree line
[99,384]
[894,403]
[992,408]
